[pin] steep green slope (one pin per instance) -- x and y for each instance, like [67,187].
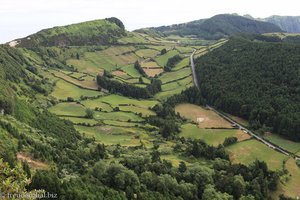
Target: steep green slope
[217,27]
[258,81]
[97,32]
[290,24]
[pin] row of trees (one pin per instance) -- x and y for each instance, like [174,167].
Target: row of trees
[130,90]
[172,62]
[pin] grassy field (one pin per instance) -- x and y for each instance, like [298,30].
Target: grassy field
[248,151]
[131,71]
[153,72]
[291,187]
[70,109]
[77,120]
[211,136]
[163,59]
[134,109]
[118,116]
[111,135]
[185,62]
[96,103]
[150,64]
[117,100]
[63,90]
[119,123]
[175,85]
[289,145]
[121,74]
[185,50]
[205,118]
[147,53]
[173,76]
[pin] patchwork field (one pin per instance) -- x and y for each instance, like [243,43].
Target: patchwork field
[205,118]
[248,151]
[211,136]
[85,84]
[109,59]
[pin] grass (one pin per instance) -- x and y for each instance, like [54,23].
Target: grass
[211,136]
[182,64]
[131,71]
[121,74]
[119,123]
[163,95]
[150,64]
[291,187]
[77,120]
[163,59]
[185,49]
[291,146]
[134,109]
[173,76]
[205,118]
[118,116]
[63,90]
[175,85]
[111,135]
[247,152]
[153,72]
[147,53]
[97,103]
[117,100]
[70,109]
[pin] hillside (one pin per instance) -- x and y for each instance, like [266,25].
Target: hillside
[217,27]
[97,32]
[258,81]
[123,121]
[290,24]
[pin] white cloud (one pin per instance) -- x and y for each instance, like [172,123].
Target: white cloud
[19,18]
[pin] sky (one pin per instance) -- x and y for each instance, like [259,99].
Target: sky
[19,18]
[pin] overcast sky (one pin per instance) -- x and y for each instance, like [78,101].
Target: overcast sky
[19,18]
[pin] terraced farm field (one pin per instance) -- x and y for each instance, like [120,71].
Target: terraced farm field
[109,59]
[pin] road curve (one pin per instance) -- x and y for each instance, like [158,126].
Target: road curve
[236,124]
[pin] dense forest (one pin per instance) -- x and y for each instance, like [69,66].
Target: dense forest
[258,81]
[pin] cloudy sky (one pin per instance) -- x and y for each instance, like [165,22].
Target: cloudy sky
[19,18]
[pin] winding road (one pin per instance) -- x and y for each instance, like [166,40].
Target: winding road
[236,124]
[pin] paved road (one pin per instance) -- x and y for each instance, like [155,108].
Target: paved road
[236,124]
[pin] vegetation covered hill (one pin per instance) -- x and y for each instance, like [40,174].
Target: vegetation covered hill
[97,32]
[217,27]
[290,24]
[256,80]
